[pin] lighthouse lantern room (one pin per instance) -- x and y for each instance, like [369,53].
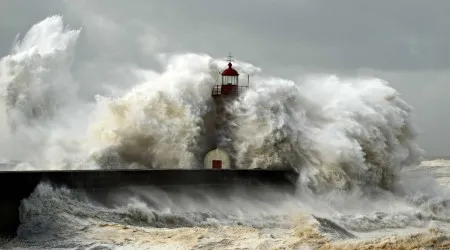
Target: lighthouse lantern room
[229,85]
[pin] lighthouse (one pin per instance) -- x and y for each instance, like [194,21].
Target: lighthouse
[224,94]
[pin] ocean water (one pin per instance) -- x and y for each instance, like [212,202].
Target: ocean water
[416,216]
[364,183]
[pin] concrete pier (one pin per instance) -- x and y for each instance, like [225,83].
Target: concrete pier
[18,185]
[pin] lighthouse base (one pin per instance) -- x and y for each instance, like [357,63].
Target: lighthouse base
[217,159]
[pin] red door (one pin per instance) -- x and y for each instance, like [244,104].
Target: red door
[216,164]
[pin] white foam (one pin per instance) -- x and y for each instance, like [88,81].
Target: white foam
[339,132]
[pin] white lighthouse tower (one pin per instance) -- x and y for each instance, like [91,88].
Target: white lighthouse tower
[224,94]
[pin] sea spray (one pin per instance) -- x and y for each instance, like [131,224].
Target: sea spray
[36,89]
[339,133]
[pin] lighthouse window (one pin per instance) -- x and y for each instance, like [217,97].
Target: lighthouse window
[230,79]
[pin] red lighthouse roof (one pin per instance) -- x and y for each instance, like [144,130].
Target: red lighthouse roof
[230,71]
[229,85]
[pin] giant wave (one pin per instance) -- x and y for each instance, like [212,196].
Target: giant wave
[338,132]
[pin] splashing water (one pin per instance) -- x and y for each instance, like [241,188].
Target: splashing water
[36,88]
[339,133]
[36,74]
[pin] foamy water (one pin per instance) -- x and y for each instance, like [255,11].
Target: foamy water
[417,217]
[341,133]
[353,141]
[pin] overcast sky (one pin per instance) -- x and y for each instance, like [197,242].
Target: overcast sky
[406,42]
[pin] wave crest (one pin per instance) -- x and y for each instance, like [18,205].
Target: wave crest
[339,133]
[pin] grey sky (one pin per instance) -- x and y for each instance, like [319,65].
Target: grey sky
[405,42]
